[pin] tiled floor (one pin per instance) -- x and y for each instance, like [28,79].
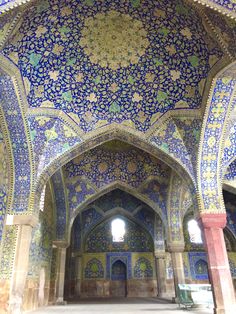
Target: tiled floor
[116,306]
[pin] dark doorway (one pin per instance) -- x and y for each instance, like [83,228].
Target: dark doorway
[118,279]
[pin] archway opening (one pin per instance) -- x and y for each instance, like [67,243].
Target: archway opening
[118,279]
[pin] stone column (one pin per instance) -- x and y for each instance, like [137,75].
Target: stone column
[161,273]
[218,264]
[60,277]
[176,250]
[78,275]
[20,268]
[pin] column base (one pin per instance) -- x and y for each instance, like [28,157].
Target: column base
[15,304]
[60,301]
[231,310]
[164,295]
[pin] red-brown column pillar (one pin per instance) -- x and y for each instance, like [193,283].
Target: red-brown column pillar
[219,271]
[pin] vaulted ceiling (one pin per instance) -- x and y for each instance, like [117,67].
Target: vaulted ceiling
[101,62]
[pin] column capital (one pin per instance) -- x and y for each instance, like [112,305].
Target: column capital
[29,220]
[175,247]
[61,244]
[211,220]
[160,254]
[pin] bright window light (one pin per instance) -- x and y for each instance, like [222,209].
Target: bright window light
[194,231]
[118,230]
[42,199]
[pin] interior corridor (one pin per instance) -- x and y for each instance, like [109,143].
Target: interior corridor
[119,305]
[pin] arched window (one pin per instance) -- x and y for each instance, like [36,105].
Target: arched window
[194,231]
[118,230]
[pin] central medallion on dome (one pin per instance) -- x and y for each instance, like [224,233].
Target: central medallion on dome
[113,39]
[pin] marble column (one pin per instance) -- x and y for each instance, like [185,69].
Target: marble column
[176,250]
[60,277]
[161,273]
[20,268]
[218,264]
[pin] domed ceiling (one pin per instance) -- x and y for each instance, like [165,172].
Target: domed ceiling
[113,61]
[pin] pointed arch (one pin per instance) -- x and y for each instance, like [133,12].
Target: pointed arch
[220,103]
[104,135]
[13,111]
[111,187]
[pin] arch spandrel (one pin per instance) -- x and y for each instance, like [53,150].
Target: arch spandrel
[116,185]
[105,136]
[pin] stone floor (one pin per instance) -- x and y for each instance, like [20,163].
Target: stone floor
[119,305]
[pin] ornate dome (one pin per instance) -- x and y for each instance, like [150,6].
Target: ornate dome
[113,61]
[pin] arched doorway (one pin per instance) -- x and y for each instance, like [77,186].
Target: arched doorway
[118,286]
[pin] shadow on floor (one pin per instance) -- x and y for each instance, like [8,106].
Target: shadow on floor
[118,301]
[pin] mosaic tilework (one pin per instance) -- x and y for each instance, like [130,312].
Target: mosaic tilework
[226,29]
[232,263]
[187,199]
[94,269]
[89,218]
[17,132]
[118,271]
[113,136]
[54,264]
[117,198]
[230,144]
[76,233]
[221,99]
[8,251]
[156,70]
[179,137]
[50,137]
[143,268]
[124,257]
[159,239]
[169,267]
[157,192]
[41,244]
[136,239]
[189,130]
[228,4]
[60,203]
[198,265]
[231,171]
[78,191]
[7,22]
[2,2]
[147,218]
[232,268]
[174,212]
[104,166]
[3,182]
[186,265]
[230,206]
